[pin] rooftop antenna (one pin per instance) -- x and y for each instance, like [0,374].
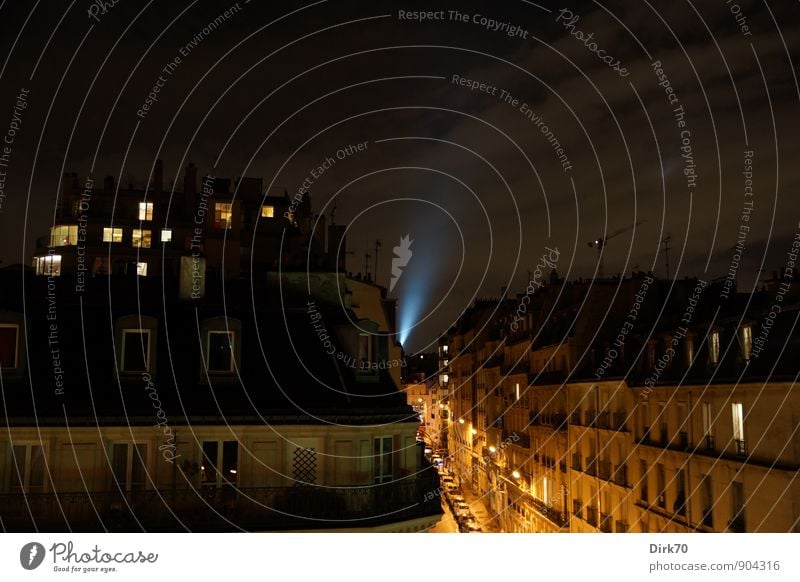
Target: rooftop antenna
[367,257]
[601,242]
[377,247]
[665,241]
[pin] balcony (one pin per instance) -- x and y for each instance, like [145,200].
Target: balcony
[575,418]
[577,507]
[604,470]
[591,515]
[606,523]
[736,525]
[708,442]
[521,439]
[622,526]
[620,418]
[663,435]
[576,462]
[562,465]
[591,466]
[621,475]
[225,508]
[589,417]
[679,507]
[740,446]
[556,517]
[601,421]
[708,518]
[683,440]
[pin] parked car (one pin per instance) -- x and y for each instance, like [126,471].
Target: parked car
[471,525]
[455,498]
[461,509]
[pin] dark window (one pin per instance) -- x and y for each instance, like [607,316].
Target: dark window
[8,346]
[128,465]
[136,350]
[383,459]
[27,469]
[220,351]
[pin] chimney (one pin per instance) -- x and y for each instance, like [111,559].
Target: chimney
[108,185]
[158,177]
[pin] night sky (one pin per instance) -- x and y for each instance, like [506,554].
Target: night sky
[473,176]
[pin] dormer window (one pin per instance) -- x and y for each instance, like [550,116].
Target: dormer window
[136,339]
[145,211]
[747,342]
[135,350]
[219,352]
[221,346]
[713,348]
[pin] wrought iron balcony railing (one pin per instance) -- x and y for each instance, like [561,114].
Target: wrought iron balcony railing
[225,508]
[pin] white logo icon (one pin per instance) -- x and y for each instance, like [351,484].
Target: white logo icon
[402,254]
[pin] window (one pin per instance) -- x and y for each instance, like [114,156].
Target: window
[219,351]
[166,235]
[680,492]
[747,342]
[49,265]
[141,269]
[516,387]
[383,459]
[129,465]
[100,266]
[145,211]
[662,421]
[64,235]
[689,351]
[141,238]
[9,346]
[707,500]
[223,215]
[737,523]
[365,352]
[135,350]
[708,425]
[220,463]
[27,468]
[112,235]
[661,486]
[737,413]
[713,348]
[267,212]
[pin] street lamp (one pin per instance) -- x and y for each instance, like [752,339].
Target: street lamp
[492,450]
[515,474]
[460,421]
[474,431]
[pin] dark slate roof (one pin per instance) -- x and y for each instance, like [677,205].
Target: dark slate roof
[287,378]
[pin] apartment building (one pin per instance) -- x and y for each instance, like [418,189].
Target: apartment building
[265,403]
[672,425]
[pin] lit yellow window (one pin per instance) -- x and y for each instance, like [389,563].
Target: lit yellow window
[64,235]
[166,235]
[112,234]
[141,238]
[223,213]
[145,211]
[267,212]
